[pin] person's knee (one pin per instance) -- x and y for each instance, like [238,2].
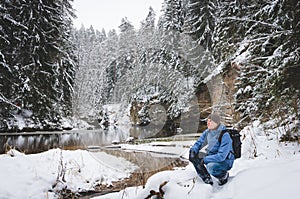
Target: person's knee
[216,169]
[212,168]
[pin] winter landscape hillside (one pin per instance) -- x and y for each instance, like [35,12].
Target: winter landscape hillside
[79,105]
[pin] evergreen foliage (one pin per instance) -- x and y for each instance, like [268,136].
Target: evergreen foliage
[44,78]
[37,62]
[272,48]
[191,39]
[199,26]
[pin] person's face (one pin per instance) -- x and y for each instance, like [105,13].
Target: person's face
[211,124]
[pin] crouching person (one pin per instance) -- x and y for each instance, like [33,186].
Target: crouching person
[218,158]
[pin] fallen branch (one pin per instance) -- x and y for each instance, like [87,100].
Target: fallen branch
[160,194]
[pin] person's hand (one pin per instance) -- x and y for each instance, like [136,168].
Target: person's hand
[202,161]
[192,155]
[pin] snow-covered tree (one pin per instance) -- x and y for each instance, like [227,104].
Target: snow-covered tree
[37,58]
[272,47]
[170,25]
[158,64]
[199,26]
[200,21]
[124,61]
[92,52]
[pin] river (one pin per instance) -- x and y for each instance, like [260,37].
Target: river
[36,142]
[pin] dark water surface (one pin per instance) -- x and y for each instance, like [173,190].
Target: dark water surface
[35,142]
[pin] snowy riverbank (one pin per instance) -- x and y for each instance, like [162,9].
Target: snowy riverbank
[267,169]
[32,176]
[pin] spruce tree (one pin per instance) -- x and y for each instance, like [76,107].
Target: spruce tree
[199,26]
[38,59]
[271,47]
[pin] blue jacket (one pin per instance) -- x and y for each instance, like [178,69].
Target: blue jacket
[216,151]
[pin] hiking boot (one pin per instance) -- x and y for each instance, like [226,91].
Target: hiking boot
[223,180]
[208,181]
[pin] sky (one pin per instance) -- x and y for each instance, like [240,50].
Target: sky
[108,14]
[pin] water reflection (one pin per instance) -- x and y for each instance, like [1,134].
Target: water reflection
[36,142]
[144,132]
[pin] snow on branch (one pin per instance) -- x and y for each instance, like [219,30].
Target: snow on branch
[254,21]
[2,98]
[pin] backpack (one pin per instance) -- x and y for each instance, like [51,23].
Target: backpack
[236,141]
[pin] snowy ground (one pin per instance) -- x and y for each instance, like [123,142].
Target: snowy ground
[265,179]
[31,176]
[274,173]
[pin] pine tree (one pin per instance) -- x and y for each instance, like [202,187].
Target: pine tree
[284,43]
[199,26]
[170,25]
[200,21]
[38,58]
[90,74]
[67,65]
[126,60]
[110,48]
[147,38]
[270,43]
[7,26]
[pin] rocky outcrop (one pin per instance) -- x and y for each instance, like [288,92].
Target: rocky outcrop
[215,94]
[150,118]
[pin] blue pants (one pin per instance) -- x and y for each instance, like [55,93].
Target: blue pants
[216,169]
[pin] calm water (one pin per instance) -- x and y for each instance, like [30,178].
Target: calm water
[35,142]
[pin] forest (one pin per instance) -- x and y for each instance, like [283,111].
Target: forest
[65,91]
[52,72]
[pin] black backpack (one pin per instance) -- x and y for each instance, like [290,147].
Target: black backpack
[236,141]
